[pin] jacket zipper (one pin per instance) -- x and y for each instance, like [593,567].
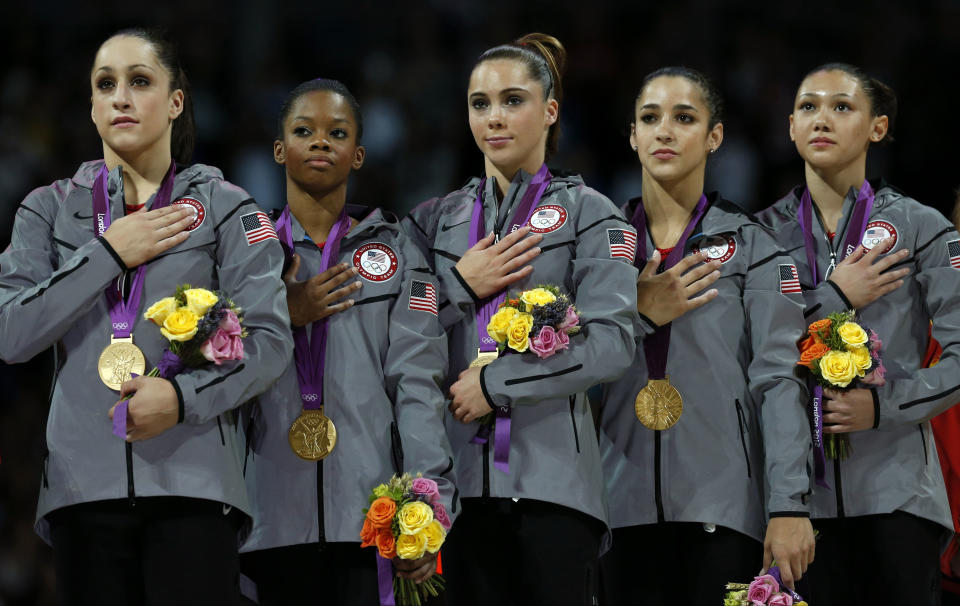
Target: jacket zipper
[839,482]
[223,440]
[741,421]
[831,245]
[322,538]
[656,476]
[573,421]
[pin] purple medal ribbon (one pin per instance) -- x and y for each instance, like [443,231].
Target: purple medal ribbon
[657,345]
[485,311]
[310,355]
[857,226]
[385,581]
[123,313]
[774,571]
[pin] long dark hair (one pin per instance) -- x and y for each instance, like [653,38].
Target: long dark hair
[546,60]
[184,134]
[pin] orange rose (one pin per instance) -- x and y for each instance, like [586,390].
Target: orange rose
[812,353]
[368,535]
[386,544]
[818,326]
[807,343]
[381,512]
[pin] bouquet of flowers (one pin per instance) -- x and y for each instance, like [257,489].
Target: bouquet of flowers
[201,326]
[765,590]
[841,354]
[540,320]
[406,520]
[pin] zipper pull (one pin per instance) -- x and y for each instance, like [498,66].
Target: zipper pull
[832,266]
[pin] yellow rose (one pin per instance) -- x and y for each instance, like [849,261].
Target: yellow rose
[838,367]
[518,335]
[435,535]
[852,334]
[200,300]
[414,516]
[538,296]
[500,322]
[181,325]
[159,311]
[411,546]
[861,359]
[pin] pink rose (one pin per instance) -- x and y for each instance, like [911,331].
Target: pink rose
[570,320]
[563,341]
[220,347]
[780,599]
[230,324]
[426,487]
[875,339]
[761,589]
[545,343]
[440,514]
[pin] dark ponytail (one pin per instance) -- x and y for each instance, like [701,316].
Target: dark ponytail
[184,134]
[883,100]
[546,60]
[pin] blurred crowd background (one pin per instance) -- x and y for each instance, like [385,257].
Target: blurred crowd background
[408,65]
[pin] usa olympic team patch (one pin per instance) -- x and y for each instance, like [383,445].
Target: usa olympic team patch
[548,218]
[717,248]
[199,213]
[375,261]
[879,230]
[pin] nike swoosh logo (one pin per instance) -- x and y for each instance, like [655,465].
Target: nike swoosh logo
[445,227]
[227,508]
[76,215]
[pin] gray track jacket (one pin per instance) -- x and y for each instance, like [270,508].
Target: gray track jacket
[895,465]
[743,415]
[553,448]
[382,390]
[52,282]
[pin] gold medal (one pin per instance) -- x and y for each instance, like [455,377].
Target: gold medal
[659,404]
[483,358]
[313,435]
[119,361]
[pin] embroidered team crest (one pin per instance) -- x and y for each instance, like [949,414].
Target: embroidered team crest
[548,218]
[375,261]
[876,231]
[258,227]
[199,213]
[623,244]
[953,249]
[423,297]
[789,279]
[717,248]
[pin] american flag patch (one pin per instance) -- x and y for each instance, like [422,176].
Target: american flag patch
[623,244]
[257,227]
[953,248]
[423,297]
[789,280]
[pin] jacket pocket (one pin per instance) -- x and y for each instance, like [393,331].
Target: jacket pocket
[741,425]
[923,439]
[573,422]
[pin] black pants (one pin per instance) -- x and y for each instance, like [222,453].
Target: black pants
[880,559]
[502,552]
[163,550]
[676,563]
[340,573]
